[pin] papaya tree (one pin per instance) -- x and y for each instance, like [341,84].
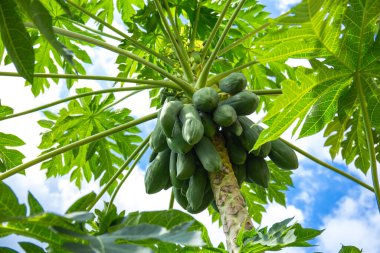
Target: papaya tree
[210,68]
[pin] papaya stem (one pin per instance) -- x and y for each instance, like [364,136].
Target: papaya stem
[328,166]
[124,35]
[176,41]
[144,146]
[267,92]
[229,200]
[195,27]
[205,71]
[183,84]
[138,88]
[171,201]
[369,137]
[249,35]
[164,83]
[76,144]
[118,101]
[215,30]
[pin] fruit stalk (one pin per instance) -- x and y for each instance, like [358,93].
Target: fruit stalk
[229,200]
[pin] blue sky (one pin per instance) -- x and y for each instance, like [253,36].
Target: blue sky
[320,198]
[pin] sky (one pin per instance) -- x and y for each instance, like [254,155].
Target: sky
[320,198]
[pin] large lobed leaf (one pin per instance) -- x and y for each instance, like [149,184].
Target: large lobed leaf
[340,39]
[10,158]
[82,118]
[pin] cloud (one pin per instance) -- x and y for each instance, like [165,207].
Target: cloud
[355,221]
[285,5]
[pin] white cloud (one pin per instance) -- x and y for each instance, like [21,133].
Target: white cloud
[355,221]
[285,5]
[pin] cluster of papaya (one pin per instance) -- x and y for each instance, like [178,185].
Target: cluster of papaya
[183,152]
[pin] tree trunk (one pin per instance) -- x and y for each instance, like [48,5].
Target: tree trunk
[229,200]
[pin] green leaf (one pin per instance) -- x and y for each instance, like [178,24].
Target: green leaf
[42,19]
[30,247]
[82,118]
[82,203]
[279,236]
[9,205]
[16,39]
[349,249]
[34,206]
[7,250]
[5,110]
[10,158]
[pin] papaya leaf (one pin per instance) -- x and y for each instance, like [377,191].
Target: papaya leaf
[5,110]
[340,39]
[10,158]
[9,205]
[31,247]
[277,237]
[349,249]
[82,118]
[34,206]
[82,203]
[16,39]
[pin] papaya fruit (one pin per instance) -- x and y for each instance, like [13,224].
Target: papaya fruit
[205,99]
[235,128]
[244,102]
[208,197]
[168,116]
[197,186]
[208,155]
[184,187]
[240,173]
[257,171]
[180,198]
[152,156]
[177,143]
[185,165]
[192,127]
[283,155]
[208,125]
[224,115]
[173,171]
[233,83]
[236,152]
[157,141]
[250,135]
[157,175]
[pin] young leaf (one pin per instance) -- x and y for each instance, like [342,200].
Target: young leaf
[349,249]
[34,206]
[16,39]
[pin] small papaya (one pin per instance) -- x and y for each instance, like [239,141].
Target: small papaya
[157,174]
[208,155]
[233,83]
[186,165]
[244,102]
[192,127]
[208,125]
[197,185]
[168,116]
[224,115]
[205,99]
[177,143]
[257,171]
[283,155]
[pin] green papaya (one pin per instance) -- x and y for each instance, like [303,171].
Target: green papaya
[208,155]
[152,156]
[157,140]
[168,116]
[236,152]
[235,128]
[178,143]
[233,83]
[240,173]
[250,135]
[179,197]
[185,165]
[224,115]
[205,99]
[173,171]
[184,187]
[197,186]
[192,127]
[157,175]
[197,58]
[244,102]
[208,125]
[257,171]
[208,197]
[283,155]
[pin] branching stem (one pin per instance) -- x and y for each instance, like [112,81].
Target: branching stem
[39,108]
[76,144]
[124,35]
